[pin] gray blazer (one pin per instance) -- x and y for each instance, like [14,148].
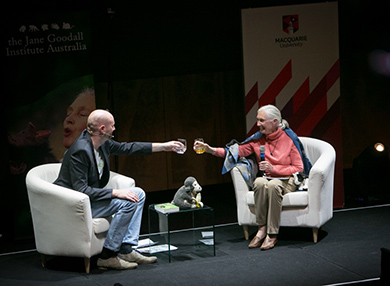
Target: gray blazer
[79,169]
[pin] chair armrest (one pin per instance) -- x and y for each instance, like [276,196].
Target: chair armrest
[241,189]
[118,181]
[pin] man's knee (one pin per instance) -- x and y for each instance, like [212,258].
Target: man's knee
[140,193]
[124,206]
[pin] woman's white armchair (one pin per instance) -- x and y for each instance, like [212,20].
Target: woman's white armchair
[62,219]
[311,208]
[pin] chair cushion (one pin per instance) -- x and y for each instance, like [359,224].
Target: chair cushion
[294,199]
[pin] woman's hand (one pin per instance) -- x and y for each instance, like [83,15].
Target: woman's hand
[204,145]
[266,166]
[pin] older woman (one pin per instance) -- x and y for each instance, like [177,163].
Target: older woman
[76,116]
[282,159]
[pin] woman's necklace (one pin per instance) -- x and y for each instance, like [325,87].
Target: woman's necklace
[272,152]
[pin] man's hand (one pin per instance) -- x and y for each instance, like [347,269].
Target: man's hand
[167,146]
[125,195]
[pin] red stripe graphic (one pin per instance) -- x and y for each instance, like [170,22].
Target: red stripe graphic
[270,94]
[314,116]
[253,130]
[251,98]
[305,110]
[297,100]
[311,109]
[301,95]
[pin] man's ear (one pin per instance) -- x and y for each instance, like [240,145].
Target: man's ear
[102,128]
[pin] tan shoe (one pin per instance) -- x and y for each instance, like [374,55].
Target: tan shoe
[269,243]
[138,258]
[256,242]
[115,263]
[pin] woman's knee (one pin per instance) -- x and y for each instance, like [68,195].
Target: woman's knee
[275,187]
[275,184]
[259,184]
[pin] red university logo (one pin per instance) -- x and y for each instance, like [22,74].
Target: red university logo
[290,24]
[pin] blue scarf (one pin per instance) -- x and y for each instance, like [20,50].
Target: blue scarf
[248,166]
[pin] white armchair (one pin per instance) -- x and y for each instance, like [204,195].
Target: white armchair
[62,219]
[311,208]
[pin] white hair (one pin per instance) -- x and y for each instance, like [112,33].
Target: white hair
[272,113]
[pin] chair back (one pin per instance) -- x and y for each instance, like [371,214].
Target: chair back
[316,148]
[46,172]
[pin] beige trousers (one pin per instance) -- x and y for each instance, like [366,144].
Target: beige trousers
[268,196]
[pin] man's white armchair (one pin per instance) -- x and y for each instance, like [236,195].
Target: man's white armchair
[311,208]
[62,219]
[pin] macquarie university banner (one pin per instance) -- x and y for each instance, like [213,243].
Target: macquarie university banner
[49,94]
[291,60]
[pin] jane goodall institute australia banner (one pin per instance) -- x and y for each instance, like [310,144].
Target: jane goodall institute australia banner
[47,65]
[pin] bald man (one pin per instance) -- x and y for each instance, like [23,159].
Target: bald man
[86,168]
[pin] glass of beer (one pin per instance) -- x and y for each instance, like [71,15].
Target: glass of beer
[182,150]
[199,150]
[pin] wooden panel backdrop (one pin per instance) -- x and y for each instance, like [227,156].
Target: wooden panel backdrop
[208,105]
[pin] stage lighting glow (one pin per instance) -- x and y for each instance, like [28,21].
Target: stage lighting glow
[379,147]
[371,170]
[379,61]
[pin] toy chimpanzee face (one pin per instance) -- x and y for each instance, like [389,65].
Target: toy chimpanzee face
[196,186]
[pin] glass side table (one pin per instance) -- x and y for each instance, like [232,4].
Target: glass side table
[182,234]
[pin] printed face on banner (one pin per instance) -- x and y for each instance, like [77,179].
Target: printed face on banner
[290,24]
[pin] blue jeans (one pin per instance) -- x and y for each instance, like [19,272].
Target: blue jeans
[126,223]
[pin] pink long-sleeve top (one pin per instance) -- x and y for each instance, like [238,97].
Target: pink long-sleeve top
[280,151]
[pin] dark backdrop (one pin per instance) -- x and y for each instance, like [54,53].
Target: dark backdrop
[174,69]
